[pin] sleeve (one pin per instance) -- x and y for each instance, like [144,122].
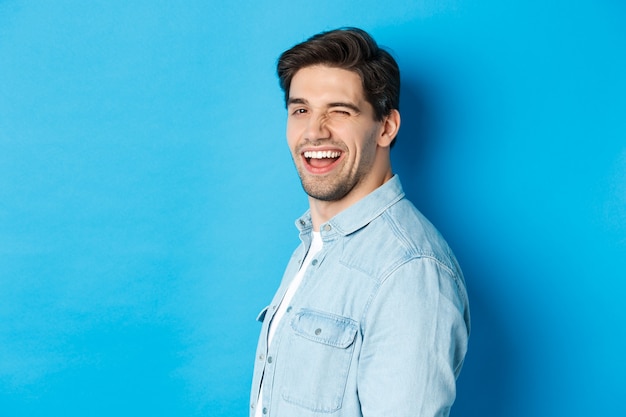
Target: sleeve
[415,334]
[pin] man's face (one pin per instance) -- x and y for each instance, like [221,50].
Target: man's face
[331,132]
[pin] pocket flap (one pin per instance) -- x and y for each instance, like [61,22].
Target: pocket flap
[326,328]
[261,315]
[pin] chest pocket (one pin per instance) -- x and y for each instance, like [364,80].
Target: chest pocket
[318,356]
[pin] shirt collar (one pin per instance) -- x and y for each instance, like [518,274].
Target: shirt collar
[360,213]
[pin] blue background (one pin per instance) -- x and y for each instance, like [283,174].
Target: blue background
[147,195]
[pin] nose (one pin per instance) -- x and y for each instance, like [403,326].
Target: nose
[317,128]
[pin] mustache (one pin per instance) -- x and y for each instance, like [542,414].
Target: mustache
[321,142]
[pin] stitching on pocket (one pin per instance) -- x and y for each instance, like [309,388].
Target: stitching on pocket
[325,328]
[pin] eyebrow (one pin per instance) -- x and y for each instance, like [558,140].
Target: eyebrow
[296,101]
[351,106]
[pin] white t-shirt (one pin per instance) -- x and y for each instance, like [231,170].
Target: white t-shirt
[316,246]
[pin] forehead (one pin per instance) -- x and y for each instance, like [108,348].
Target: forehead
[324,82]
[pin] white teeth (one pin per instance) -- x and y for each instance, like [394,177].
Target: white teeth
[322,154]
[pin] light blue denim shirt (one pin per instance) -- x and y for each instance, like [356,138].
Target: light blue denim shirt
[379,325]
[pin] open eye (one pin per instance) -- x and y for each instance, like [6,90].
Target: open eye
[298,111]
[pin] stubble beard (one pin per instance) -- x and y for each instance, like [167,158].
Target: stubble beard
[327,188]
[335,185]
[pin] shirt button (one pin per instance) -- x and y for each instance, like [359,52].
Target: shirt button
[269,359]
[318,331]
[264,410]
[314,262]
[327,227]
[302,222]
[289,309]
[261,357]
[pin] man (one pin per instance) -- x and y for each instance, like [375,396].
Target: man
[371,318]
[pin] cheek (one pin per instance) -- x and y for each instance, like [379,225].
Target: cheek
[290,134]
[367,145]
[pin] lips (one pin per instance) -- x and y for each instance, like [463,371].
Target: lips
[321,161]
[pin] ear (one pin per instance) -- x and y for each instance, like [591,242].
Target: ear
[390,127]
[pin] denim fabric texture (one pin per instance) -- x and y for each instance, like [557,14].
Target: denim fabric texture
[379,325]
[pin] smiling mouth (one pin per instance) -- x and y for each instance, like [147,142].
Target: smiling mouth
[321,159]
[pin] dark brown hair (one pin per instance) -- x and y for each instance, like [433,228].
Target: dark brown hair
[351,49]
